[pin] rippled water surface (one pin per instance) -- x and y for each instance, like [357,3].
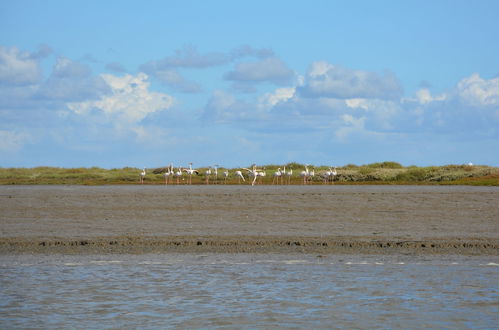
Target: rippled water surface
[248,291]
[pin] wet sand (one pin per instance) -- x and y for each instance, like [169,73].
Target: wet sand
[310,219]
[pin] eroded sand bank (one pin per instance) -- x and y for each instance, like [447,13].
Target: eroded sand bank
[315,219]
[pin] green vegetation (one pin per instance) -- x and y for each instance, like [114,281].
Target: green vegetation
[376,173]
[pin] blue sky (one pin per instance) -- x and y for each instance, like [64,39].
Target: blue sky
[128,83]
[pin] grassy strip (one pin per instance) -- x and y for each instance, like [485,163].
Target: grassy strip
[377,173]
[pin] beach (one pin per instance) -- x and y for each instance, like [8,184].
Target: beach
[263,219]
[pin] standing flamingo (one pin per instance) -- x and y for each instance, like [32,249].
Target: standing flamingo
[277,176]
[289,174]
[168,173]
[304,174]
[190,171]
[207,173]
[226,175]
[239,176]
[326,176]
[311,175]
[261,174]
[142,176]
[215,171]
[178,175]
[334,173]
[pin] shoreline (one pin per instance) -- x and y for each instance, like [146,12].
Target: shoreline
[312,219]
[245,244]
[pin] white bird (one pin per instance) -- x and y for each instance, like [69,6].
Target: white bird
[178,175]
[142,175]
[334,173]
[215,171]
[207,173]
[326,176]
[239,176]
[168,173]
[226,175]
[311,175]
[289,174]
[190,171]
[261,174]
[253,172]
[304,174]
[277,176]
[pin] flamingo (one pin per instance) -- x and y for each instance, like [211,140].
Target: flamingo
[327,175]
[334,173]
[207,174]
[239,176]
[215,171]
[261,174]
[311,175]
[178,175]
[289,174]
[190,171]
[253,172]
[304,174]
[277,175]
[168,173]
[226,175]
[142,175]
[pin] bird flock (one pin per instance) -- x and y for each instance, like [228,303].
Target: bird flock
[251,175]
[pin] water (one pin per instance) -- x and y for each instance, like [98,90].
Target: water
[248,291]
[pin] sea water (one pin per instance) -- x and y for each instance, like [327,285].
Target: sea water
[248,291]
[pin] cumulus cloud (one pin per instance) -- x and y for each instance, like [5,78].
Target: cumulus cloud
[476,91]
[18,67]
[72,81]
[130,100]
[270,69]
[326,80]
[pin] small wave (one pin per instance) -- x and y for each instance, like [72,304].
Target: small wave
[105,262]
[150,263]
[292,262]
[490,264]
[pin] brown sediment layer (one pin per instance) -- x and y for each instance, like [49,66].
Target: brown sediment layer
[223,244]
[324,219]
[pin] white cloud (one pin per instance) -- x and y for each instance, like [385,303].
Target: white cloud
[18,67]
[477,91]
[326,80]
[130,100]
[279,95]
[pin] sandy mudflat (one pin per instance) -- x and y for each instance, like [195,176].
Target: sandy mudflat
[315,219]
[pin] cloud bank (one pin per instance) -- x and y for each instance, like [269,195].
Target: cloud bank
[324,112]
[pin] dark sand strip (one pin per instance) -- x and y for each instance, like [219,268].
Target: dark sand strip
[224,244]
